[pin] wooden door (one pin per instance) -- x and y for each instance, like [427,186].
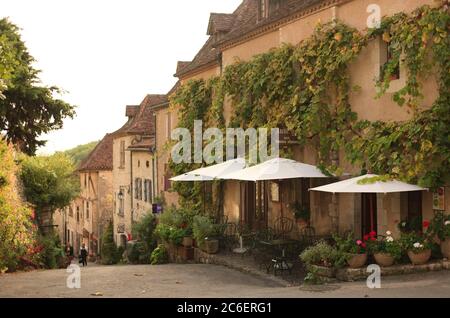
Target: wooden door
[368,213]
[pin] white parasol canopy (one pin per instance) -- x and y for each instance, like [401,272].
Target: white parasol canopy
[212,172]
[277,169]
[352,186]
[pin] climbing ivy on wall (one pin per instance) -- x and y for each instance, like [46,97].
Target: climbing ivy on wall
[196,100]
[306,87]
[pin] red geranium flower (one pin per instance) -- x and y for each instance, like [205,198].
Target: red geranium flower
[364,245]
[426,224]
[366,237]
[373,234]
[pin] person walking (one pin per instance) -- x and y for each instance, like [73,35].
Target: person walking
[84,254]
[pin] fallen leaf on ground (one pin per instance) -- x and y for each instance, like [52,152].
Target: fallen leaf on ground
[97,294]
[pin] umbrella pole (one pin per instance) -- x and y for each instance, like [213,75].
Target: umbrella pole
[281,198]
[371,212]
[204,198]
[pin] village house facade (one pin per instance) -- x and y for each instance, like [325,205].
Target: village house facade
[134,167]
[85,219]
[259,25]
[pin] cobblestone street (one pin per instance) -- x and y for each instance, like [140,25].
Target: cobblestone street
[204,281]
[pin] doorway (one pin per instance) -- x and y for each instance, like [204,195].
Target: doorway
[255,205]
[368,213]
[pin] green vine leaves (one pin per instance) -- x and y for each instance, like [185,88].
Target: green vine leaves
[305,88]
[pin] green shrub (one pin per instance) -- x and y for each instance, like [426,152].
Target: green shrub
[159,256]
[321,254]
[203,227]
[52,254]
[144,232]
[109,252]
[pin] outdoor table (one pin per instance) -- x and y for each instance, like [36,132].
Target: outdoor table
[279,244]
[280,263]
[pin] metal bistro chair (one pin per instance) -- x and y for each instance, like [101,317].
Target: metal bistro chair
[230,236]
[308,235]
[283,227]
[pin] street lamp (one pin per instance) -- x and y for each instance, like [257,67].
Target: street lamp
[120,195]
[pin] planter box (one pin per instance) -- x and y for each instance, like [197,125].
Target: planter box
[322,271]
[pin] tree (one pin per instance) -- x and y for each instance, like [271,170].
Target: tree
[49,184]
[16,226]
[27,109]
[109,252]
[79,153]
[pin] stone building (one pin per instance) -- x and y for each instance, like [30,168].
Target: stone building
[134,167]
[257,26]
[85,219]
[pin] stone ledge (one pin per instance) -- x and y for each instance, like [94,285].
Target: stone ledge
[350,274]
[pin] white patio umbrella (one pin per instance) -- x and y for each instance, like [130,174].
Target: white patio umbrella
[191,177]
[353,186]
[277,169]
[213,172]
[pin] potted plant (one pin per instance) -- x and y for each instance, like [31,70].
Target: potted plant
[386,250]
[301,214]
[351,252]
[418,248]
[204,232]
[320,259]
[440,227]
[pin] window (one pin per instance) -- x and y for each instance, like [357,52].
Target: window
[85,181]
[168,125]
[138,189]
[139,164]
[122,154]
[78,214]
[70,212]
[87,209]
[147,164]
[167,176]
[148,190]
[387,58]
[120,197]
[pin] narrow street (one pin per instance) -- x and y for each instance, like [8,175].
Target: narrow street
[204,281]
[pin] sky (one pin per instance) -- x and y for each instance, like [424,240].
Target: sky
[107,54]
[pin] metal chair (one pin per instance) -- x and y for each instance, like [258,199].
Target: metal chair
[283,227]
[308,235]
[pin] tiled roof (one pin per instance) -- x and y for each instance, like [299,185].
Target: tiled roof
[144,122]
[101,157]
[147,143]
[220,22]
[207,54]
[131,111]
[247,22]
[181,65]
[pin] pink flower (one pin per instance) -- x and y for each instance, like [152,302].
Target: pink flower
[359,242]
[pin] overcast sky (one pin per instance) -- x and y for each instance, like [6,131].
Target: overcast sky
[109,53]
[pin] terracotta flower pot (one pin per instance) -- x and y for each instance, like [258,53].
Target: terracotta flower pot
[445,248]
[357,260]
[211,246]
[419,258]
[384,259]
[187,241]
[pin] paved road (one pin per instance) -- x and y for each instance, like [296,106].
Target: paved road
[204,281]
